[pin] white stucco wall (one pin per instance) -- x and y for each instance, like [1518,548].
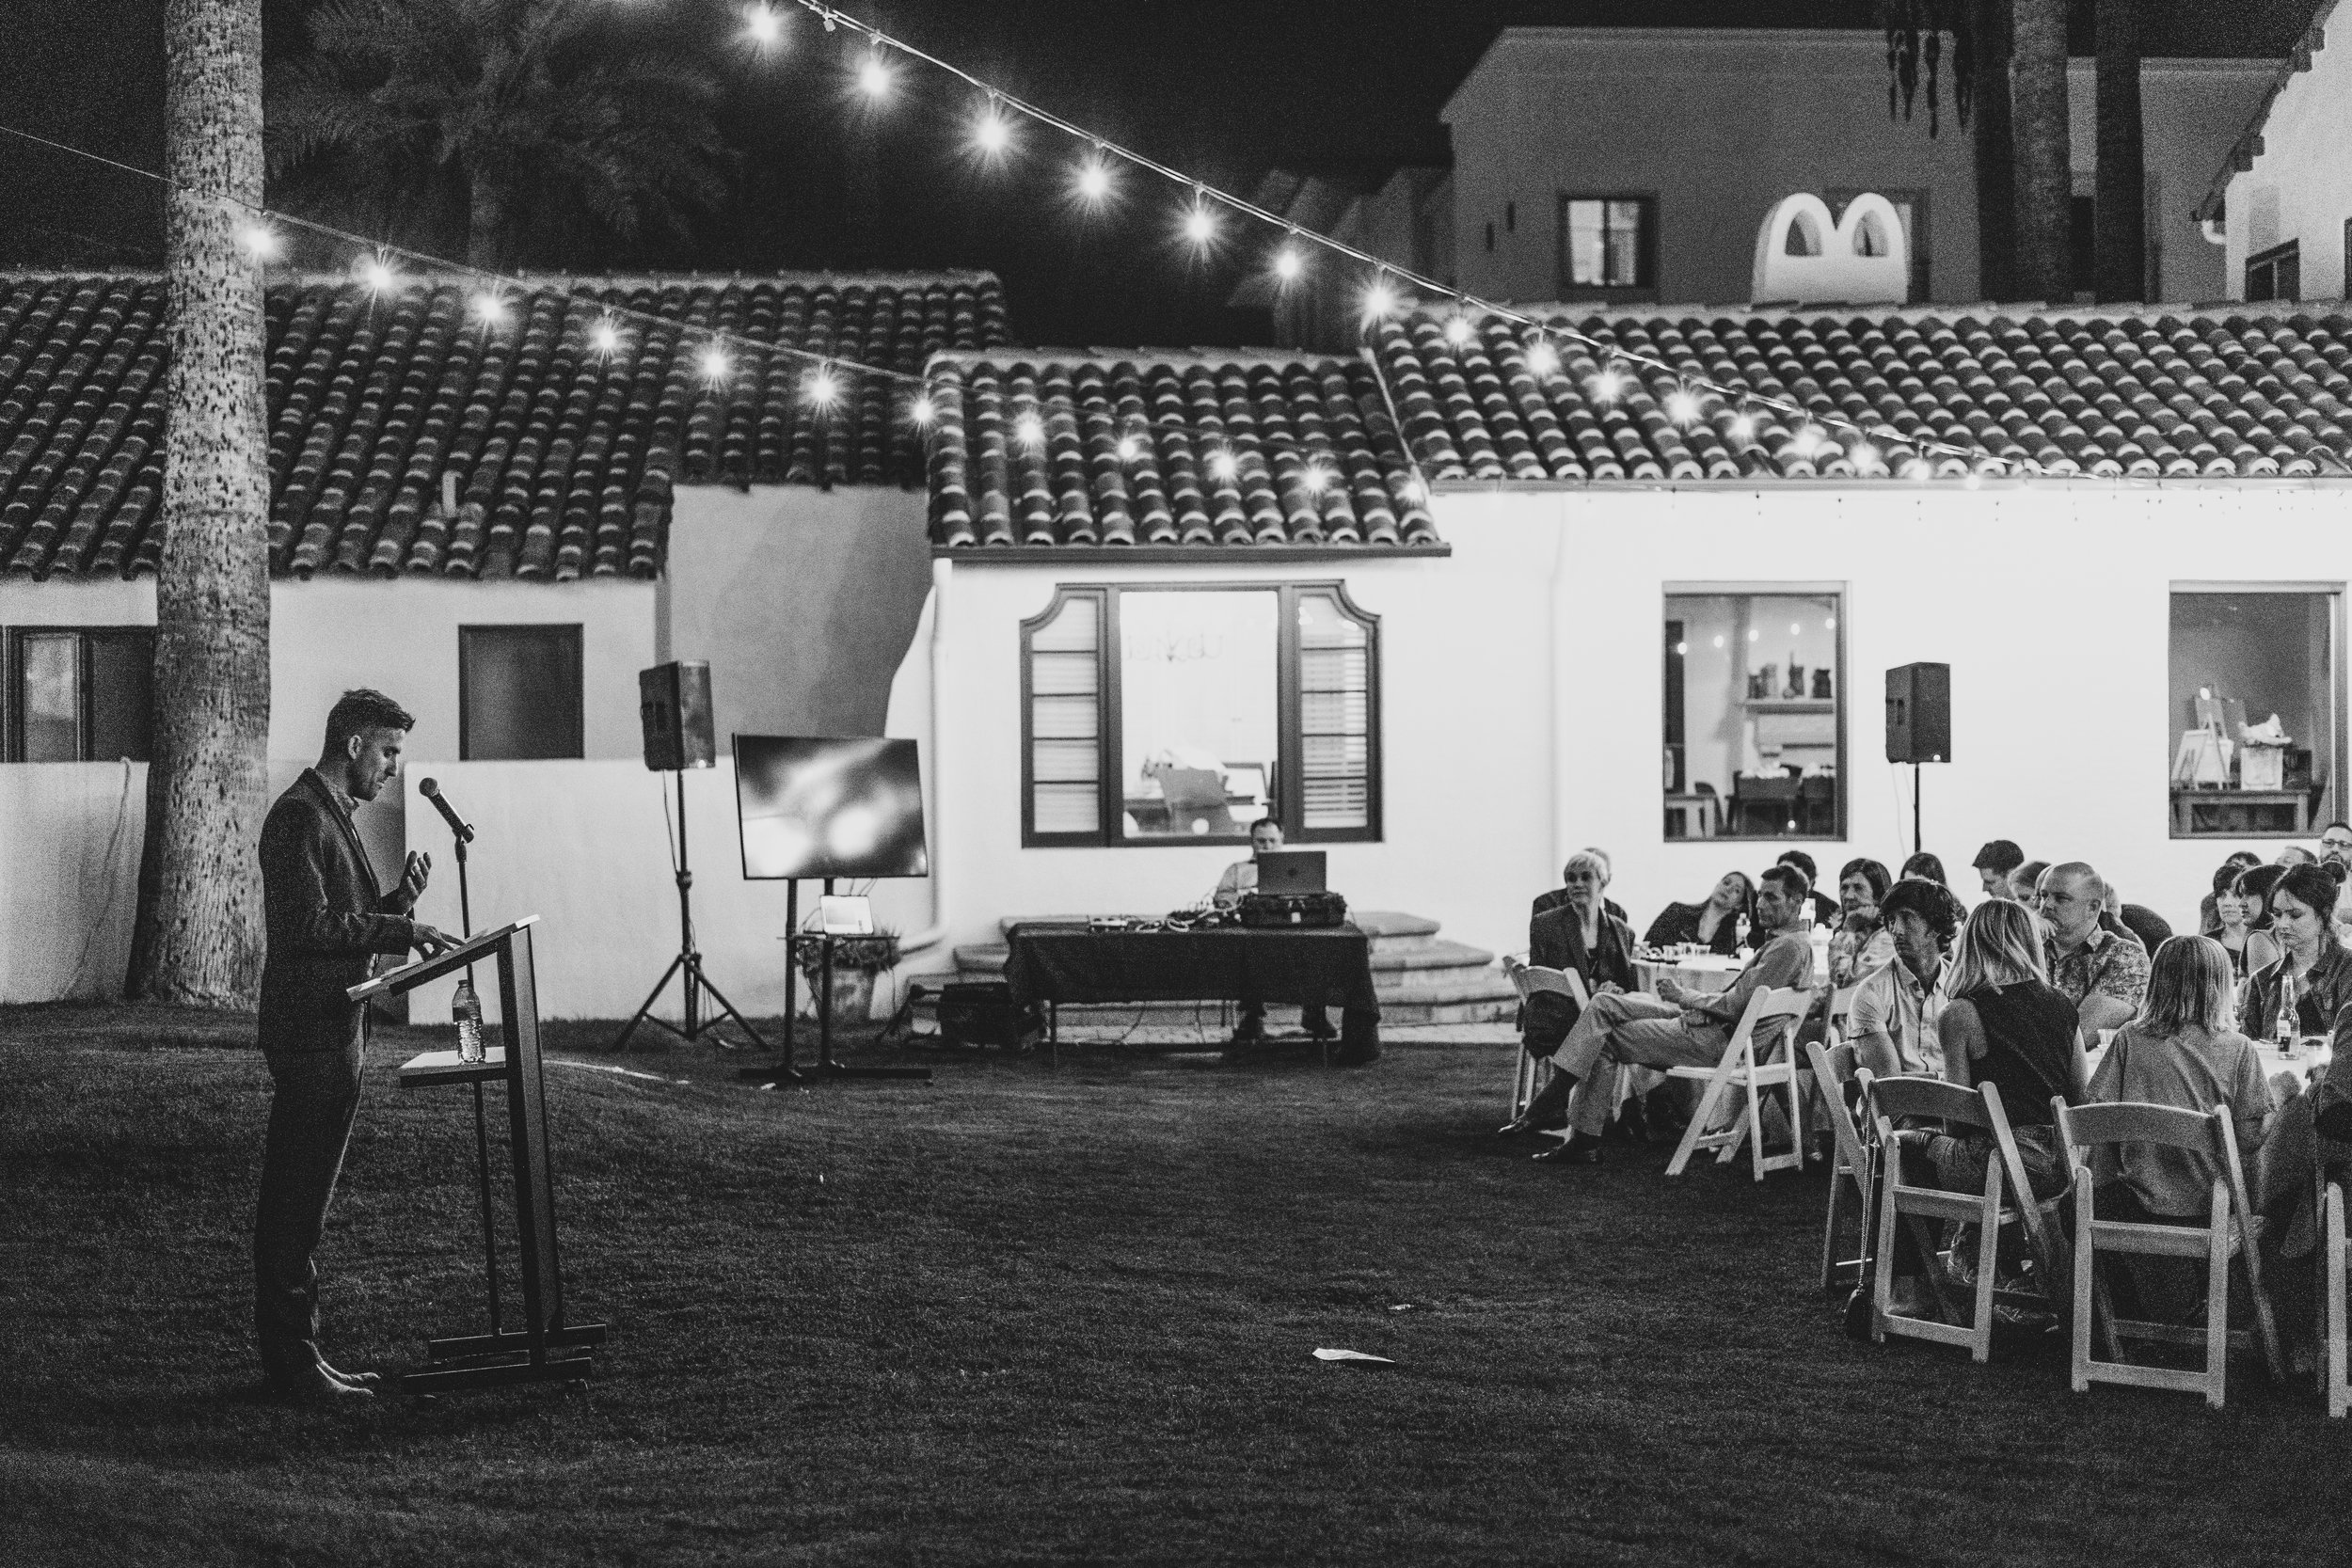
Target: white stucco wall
[2301,188]
[2063,733]
[1722,123]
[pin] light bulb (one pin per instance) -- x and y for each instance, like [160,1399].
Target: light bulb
[1129,449]
[1029,430]
[1743,427]
[1865,454]
[1094,181]
[604,336]
[1458,331]
[1828,623]
[488,308]
[991,134]
[1606,384]
[823,387]
[260,242]
[377,276]
[1223,465]
[763,26]
[714,363]
[1417,490]
[1682,407]
[1795,631]
[921,412]
[1681,648]
[1379,300]
[873,77]
[1287,263]
[1318,479]
[1718,640]
[1918,469]
[1754,634]
[1199,224]
[1543,358]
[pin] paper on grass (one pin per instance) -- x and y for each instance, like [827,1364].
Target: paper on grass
[1352,1355]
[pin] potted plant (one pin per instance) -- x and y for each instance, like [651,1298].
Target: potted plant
[856,961]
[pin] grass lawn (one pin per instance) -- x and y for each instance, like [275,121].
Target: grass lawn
[1025,1315]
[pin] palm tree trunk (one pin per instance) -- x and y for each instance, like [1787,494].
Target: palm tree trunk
[2122,219]
[2046,180]
[1995,155]
[199,936]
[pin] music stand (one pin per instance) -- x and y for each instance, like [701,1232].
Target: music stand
[546,1349]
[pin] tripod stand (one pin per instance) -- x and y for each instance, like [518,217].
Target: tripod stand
[688,960]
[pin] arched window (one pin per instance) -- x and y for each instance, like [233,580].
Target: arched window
[1171,714]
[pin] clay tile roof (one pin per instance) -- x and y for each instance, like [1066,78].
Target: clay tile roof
[2253,393]
[1237,449]
[565,460]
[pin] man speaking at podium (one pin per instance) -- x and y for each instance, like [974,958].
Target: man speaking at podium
[326,918]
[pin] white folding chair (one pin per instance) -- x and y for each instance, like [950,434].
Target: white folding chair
[1840,1013]
[1853,1161]
[2006,1199]
[1745,1069]
[2331,1299]
[2232,1232]
[1532,980]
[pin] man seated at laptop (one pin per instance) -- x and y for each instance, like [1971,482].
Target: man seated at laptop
[1265,837]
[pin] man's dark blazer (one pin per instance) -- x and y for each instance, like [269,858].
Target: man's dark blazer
[326,917]
[1555,940]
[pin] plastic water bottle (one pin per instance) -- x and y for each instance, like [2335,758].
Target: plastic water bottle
[464,1010]
[1739,932]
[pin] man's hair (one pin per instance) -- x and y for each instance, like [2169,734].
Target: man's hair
[1792,879]
[2029,873]
[1804,862]
[2087,874]
[356,712]
[1929,866]
[2333,826]
[1998,855]
[1266,822]
[1932,902]
[1873,872]
[2188,988]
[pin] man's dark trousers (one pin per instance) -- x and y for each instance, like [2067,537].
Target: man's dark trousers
[310,1116]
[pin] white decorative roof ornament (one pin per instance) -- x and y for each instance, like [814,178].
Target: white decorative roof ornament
[1804,256]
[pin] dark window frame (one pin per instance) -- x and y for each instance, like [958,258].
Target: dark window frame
[1842,591]
[2279,260]
[1290,790]
[11,692]
[578,740]
[1645,287]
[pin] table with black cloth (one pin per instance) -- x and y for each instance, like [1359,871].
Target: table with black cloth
[1052,962]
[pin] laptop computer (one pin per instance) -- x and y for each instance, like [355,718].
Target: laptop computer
[1291,871]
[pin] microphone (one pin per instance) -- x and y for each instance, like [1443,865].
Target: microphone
[432,792]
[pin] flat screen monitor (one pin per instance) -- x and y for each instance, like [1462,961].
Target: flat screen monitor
[828,807]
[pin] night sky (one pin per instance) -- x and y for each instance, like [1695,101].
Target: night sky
[1223,88]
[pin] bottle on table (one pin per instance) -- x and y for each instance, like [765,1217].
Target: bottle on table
[2286,1027]
[1739,932]
[464,1010]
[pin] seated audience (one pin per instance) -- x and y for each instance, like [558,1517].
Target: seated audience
[1676,1028]
[1265,837]
[2208,920]
[2182,1050]
[2005,1025]
[1927,865]
[1993,866]
[2312,966]
[2335,843]
[1861,942]
[1579,935]
[2246,948]
[1713,923]
[2025,882]
[2295,854]
[1825,908]
[1559,895]
[2104,974]
[1895,1012]
[2148,928]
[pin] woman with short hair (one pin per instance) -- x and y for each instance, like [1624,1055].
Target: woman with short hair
[1861,944]
[1581,936]
[2247,947]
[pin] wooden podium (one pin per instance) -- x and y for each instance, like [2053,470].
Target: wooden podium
[546,1349]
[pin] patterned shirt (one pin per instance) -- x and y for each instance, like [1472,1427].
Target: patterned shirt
[2105,963]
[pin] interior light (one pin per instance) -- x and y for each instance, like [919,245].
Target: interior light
[1718,640]
[1681,648]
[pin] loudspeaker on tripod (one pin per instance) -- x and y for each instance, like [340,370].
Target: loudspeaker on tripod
[673,704]
[1919,713]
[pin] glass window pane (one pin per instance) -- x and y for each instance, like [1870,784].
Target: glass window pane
[1755,698]
[1587,264]
[1066,720]
[121,677]
[1198,715]
[521,692]
[50,697]
[1625,244]
[1334,715]
[2241,659]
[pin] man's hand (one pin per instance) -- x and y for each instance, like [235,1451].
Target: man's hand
[430,941]
[418,871]
[1610,988]
[1670,991]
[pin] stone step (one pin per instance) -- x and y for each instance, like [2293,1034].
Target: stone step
[1389,930]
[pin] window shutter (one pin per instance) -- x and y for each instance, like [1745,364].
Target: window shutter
[1066,717]
[1334,715]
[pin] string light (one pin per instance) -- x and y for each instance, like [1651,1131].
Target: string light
[488,308]
[1458,331]
[1864,456]
[763,25]
[1029,430]
[873,77]
[1379,301]
[922,413]
[714,363]
[376,275]
[1289,263]
[1318,479]
[1129,449]
[1094,179]
[823,386]
[1606,384]
[1920,470]
[261,241]
[992,133]
[1682,407]
[1199,223]
[1743,426]
[1806,441]
[1542,358]
[605,336]
[1223,465]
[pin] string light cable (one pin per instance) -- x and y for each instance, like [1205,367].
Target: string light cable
[1200,225]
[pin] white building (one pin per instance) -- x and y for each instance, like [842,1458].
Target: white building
[2284,195]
